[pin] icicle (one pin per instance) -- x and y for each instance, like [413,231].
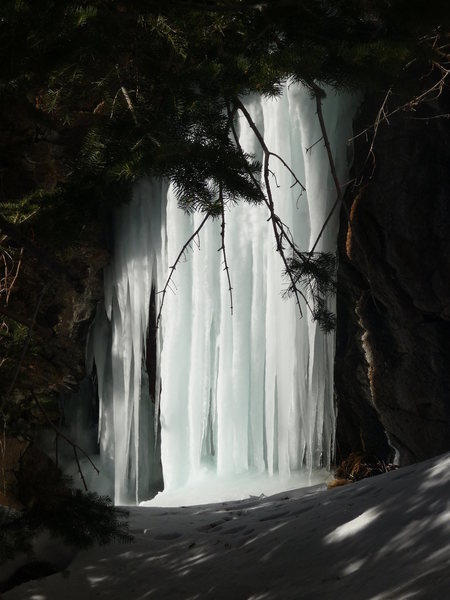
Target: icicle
[242,395]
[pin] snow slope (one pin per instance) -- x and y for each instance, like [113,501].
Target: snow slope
[382,538]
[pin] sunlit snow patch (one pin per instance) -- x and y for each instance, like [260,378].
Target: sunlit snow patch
[206,490]
[354,526]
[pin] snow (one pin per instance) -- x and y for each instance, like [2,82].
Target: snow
[379,539]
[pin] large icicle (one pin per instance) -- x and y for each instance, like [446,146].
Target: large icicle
[243,394]
[126,411]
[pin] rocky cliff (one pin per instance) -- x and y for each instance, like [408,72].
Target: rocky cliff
[393,347]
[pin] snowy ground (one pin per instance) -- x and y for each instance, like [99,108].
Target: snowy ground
[382,538]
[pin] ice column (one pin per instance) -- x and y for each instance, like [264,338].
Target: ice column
[117,346]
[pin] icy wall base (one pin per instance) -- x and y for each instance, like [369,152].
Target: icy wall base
[246,393]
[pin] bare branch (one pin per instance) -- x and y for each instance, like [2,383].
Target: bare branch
[175,264]
[129,104]
[431,93]
[80,471]
[126,95]
[45,332]
[277,225]
[275,177]
[13,232]
[223,249]
[25,347]
[319,94]
[309,148]
[75,446]
[15,276]
[296,179]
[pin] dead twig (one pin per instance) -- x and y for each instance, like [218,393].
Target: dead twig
[16,274]
[129,104]
[126,95]
[432,93]
[25,347]
[279,229]
[175,264]
[318,95]
[223,249]
[309,148]
[12,231]
[75,446]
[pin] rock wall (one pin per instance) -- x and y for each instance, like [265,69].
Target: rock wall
[393,346]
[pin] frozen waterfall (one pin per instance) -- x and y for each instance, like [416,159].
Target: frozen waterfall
[242,397]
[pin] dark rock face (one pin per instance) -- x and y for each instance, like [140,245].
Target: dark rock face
[59,280]
[393,349]
[56,359]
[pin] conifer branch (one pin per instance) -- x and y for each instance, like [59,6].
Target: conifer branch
[175,264]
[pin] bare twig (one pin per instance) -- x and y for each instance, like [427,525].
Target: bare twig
[296,179]
[275,178]
[114,104]
[80,471]
[129,104]
[319,94]
[14,232]
[309,148]
[431,93]
[16,274]
[223,249]
[175,264]
[25,347]
[432,118]
[75,446]
[381,116]
[126,95]
[279,229]
[45,332]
